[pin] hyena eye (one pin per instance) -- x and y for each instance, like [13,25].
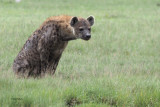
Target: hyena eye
[89,29]
[81,29]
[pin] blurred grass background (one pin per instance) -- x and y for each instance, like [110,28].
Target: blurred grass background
[119,66]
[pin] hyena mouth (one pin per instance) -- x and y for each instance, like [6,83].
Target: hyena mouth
[87,39]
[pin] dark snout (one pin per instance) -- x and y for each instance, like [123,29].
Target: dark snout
[87,37]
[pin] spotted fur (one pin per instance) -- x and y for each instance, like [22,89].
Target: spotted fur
[42,51]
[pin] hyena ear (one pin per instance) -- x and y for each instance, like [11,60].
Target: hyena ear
[91,20]
[74,20]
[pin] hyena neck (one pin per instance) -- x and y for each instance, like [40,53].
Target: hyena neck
[67,32]
[63,28]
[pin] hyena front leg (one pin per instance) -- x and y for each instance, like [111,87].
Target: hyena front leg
[53,65]
[44,61]
[44,54]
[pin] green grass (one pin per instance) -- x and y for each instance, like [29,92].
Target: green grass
[119,66]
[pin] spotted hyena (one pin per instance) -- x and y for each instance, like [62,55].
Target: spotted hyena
[42,51]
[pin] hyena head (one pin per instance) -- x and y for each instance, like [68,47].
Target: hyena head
[82,27]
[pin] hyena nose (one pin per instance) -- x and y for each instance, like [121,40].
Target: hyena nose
[88,36]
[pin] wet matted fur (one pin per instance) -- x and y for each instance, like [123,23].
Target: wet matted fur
[42,51]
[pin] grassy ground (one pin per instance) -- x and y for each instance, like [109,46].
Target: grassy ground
[119,66]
